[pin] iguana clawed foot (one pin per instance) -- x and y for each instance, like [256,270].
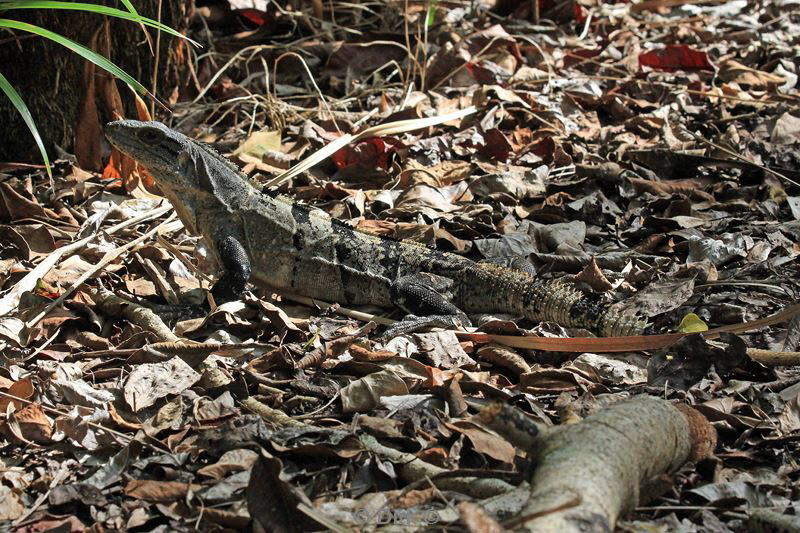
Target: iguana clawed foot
[424,294]
[427,298]
[413,324]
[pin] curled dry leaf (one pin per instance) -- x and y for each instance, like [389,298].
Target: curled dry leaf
[150,382]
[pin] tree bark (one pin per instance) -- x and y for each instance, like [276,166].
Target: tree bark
[51,81]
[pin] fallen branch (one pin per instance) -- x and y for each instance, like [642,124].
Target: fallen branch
[770,358]
[625,344]
[410,468]
[764,520]
[587,474]
[275,417]
[112,305]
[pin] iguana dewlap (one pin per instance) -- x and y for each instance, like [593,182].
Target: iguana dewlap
[284,246]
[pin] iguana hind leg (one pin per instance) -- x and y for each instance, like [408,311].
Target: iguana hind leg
[426,297]
[236,266]
[424,294]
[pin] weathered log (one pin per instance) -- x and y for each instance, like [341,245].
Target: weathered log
[588,473]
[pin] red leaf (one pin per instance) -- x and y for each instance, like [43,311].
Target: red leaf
[675,57]
[580,14]
[544,149]
[497,145]
[372,152]
[580,55]
[110,172]
[259,18]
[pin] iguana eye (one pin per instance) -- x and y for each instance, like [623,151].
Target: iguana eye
[150,135]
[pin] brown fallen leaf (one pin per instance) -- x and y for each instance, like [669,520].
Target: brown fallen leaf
[28,424]
[733,71]
[158,491]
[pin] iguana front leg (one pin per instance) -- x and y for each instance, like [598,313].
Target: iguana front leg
[426,297]
[236,270]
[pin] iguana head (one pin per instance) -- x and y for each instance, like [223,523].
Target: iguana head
[162,151]
[191,175]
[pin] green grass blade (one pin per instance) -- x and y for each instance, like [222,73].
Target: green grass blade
[92,8]
[127,4]
[431,15]
[23,110]
[92,56]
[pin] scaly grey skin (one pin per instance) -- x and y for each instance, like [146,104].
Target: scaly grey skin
[281,245]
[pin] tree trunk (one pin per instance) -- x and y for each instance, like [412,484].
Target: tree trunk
[51,79]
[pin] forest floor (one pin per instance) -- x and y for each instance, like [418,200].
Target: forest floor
[647,151]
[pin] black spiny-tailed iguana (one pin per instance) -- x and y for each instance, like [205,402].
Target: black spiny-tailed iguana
[284,246]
